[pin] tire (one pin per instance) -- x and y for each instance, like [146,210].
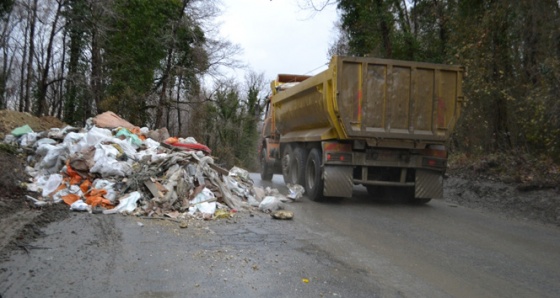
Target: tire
[266,170]
[314,176]
[286,164]
[297,170]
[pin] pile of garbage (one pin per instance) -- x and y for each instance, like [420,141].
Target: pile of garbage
[110,166]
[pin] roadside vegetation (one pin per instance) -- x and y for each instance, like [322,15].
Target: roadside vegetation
[146,61]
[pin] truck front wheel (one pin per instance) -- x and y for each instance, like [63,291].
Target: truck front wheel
[266,170]
[313,176]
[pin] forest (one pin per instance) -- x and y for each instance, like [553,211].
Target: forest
[146,59]
[510,50]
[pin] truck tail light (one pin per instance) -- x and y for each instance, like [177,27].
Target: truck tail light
[339,157]
[434,156]
[438,151]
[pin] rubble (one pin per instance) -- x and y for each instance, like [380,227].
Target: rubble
[112,166]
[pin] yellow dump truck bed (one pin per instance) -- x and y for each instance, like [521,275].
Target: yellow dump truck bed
[382,101]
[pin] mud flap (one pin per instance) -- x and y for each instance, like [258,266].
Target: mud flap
[428,184]
[337,181]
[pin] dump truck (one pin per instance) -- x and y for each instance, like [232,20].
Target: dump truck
[363,121]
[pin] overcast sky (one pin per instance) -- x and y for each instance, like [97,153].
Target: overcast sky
[277,36]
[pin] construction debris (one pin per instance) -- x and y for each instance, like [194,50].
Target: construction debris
[111,166]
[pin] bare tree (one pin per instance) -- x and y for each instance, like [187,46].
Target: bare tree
[32,14]
[44,81]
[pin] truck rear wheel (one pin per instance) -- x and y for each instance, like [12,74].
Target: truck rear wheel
[313,176]
[297,170]
[286,164]
[266,170]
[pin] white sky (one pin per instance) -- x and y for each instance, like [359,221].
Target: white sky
[277,36]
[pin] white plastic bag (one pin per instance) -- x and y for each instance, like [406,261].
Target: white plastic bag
[80,205]
[96,135]
[75,142]
[126,204]
[45,141]
[28,139]
[201,203]
[10,139]
[252,201]
[239,172]
[50,185]
[106,163]
[296,191]
[270,204]
[53,157]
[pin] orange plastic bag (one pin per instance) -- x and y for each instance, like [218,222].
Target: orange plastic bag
[85,186]
[75,178]
[70,198]
[95,198]
[172,140]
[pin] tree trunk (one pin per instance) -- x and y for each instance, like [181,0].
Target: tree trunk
[32,21]
[44,83]
[96,71]
[385,30]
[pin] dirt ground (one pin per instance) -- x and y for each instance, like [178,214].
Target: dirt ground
[523,191]
[12,119]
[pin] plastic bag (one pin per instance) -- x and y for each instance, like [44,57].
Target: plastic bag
[28,139]
[126,204]
[75,142]
[252,201]
[270,204]
[239,172]
[259,193]
[20,131]
[201,203]
[129,136]
[80,205]
[110,167]
[74,190]
[44,141]
[106,163]
[235,187]
[107,186]
[96,135]
[10,139]
[296,191]
[126,147]
[58,133]
[53,157]
[50,184]
[188,140]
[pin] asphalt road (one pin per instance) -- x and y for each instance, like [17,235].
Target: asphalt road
[338,248]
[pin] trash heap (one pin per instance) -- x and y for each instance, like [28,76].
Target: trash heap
[111,166]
